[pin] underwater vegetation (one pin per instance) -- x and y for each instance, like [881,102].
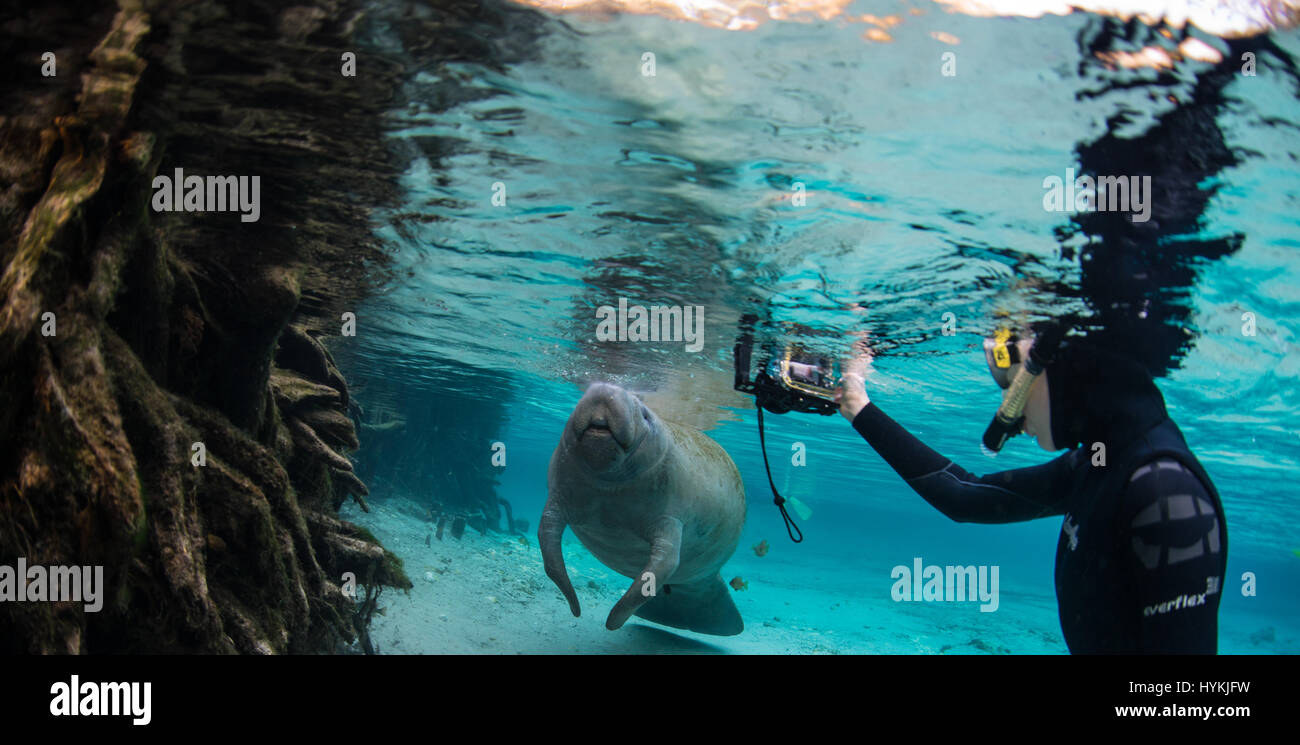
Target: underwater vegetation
[168,409]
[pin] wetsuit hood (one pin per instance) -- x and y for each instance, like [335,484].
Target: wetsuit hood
[1100,396]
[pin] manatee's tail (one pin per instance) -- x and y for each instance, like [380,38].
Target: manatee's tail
[704,607]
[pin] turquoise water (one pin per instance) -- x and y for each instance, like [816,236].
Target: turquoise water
[923,197]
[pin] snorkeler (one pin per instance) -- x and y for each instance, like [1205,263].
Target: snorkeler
[1143,548]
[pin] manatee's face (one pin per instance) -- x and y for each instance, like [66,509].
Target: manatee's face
[608,429]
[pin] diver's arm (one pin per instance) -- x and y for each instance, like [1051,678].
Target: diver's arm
[1174,547]
[1003,497]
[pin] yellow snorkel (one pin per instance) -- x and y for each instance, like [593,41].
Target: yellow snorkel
[1001,353]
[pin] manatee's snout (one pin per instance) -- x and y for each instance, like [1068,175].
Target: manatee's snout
[606,411]
[606,424]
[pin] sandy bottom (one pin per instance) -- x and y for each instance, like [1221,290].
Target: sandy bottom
[488,594]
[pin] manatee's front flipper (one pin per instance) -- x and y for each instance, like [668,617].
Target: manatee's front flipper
[549,531]
[704,607]
[665,548]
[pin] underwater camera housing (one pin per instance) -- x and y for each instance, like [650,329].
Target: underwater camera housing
[793,380]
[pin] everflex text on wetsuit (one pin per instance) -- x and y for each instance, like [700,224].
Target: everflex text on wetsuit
[1143,547]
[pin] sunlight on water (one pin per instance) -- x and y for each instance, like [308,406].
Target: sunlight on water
[1225,18]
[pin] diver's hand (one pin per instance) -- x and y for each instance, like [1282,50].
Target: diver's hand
[851,395]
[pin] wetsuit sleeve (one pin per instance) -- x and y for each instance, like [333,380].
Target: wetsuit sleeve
[1003,497]
[1173,539]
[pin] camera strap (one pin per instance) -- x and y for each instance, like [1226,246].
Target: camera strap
[790,527]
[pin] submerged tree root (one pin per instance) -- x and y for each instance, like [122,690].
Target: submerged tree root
[167,422]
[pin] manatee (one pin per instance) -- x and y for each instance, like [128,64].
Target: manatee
[656,502]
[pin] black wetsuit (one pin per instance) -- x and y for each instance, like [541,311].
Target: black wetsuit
[1143,547]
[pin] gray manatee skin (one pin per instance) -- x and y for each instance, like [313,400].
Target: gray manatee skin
[656,502]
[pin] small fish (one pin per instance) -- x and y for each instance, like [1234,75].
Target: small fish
[760,548]
[738,584]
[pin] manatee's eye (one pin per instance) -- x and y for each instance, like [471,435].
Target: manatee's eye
[645,413]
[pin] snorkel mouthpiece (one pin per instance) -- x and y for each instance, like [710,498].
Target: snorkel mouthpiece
[1009,420]
[1010,417]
